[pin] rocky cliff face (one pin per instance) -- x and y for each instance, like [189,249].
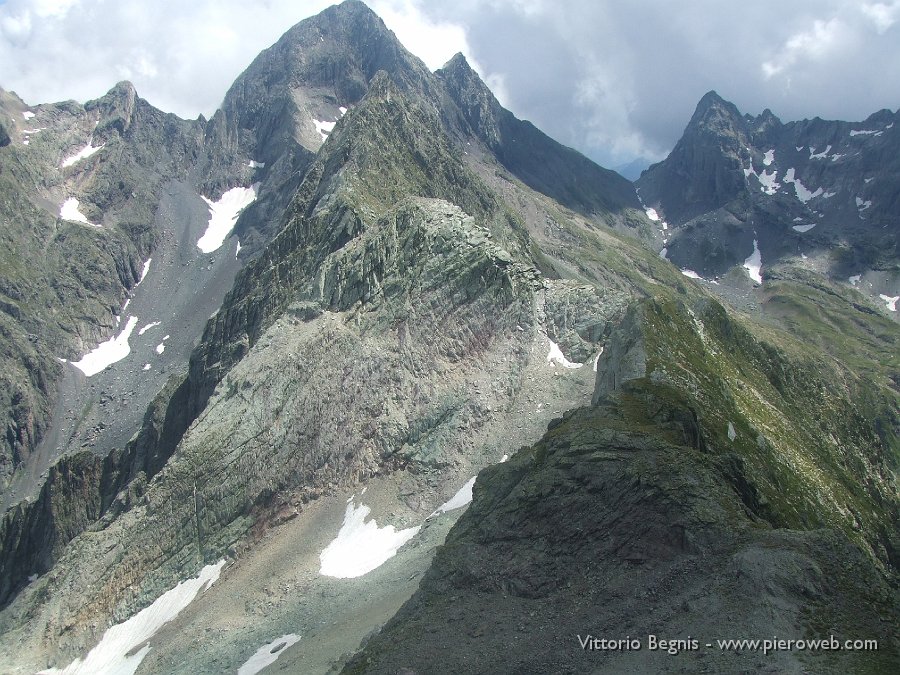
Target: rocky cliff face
[808,193]
[81,186]
[538,161]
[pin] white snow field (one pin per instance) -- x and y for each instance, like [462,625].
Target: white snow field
[462,497]
[84,153]
[223,214]
[268,654]
[753,264]
[107,353]
[115,654]
[555,356]
[361,546]
[70,211]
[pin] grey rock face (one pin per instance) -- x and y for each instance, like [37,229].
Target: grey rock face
[802,190]
[624,358]
[394,318]
[538,161]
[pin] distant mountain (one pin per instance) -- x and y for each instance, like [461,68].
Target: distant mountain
[815,194]
[632,170]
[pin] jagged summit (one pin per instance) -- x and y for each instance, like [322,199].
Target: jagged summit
[456,61]
[714,114]
[539,161]
[737,186]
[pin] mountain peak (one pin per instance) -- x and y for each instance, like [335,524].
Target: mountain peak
[116,107]
[713,110]
[457,62]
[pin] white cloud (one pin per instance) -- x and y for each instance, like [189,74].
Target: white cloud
[812,44]
[54,9]
[435,42]
[882,15]
[182,57]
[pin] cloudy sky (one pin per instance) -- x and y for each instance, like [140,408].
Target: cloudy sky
[616,80]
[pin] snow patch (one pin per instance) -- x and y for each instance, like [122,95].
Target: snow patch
[146,366]
[115,654]
[256,165]
[652,214]
[237,249]
[732,434]
[462,497]
[324,128]
[769,182]
[819,155]
[70,211]
[753,264]
[691,273]
[144,270]
[555,356]
[664,252]
[84,153]
[828,195]
[804,228]
[597,360]
[107,353]
[153,324]
[343,110]
[868,180]
[223,214]
[863,205]
[803,194]
[889,301]
[267,654]
[361,546]
[27,114]
[768,158]
[854,280]
[865,132]
[161,347]
[748,171]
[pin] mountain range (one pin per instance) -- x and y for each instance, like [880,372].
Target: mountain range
[365,374]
